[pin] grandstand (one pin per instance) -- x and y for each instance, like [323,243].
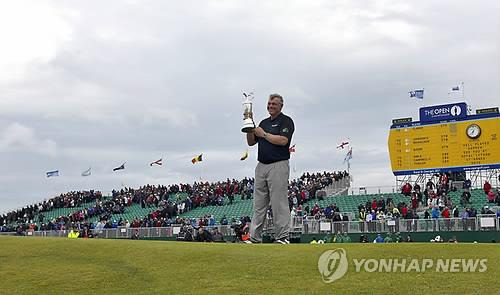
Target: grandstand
[236,210]
[334,194]
[57,212]
[239,208]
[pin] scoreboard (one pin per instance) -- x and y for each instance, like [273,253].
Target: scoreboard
[454,144]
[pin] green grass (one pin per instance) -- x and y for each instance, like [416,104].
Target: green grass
[66,266]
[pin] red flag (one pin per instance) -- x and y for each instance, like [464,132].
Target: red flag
[344,143]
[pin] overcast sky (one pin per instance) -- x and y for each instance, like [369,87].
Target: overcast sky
[98,83]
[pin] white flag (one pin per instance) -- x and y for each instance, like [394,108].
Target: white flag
[87,172]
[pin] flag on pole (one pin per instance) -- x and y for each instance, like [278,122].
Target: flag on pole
[87,172]
[157,162]
[197,159]
[120,167]
[348,156]
[456,88]
[419,93]
[343,144]
[291,149]
[245,156]
[52,173]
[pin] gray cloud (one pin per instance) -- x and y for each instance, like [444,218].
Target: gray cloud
[134,81]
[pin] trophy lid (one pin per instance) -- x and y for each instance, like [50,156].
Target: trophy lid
[248,97]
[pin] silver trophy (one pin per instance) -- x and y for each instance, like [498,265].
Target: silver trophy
[248,123]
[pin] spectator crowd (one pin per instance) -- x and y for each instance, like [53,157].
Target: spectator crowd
[166,203]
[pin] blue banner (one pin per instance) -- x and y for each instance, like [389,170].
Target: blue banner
[52,173]
[443,112]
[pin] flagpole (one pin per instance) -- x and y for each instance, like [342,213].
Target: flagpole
[422,100]
[201,171]
[469,106]
[463,91]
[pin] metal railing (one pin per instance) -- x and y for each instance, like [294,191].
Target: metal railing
[368,190]
[300,225]
[485,223]
[127,232]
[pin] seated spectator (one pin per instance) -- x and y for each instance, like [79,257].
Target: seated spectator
[486,187]
[416,187]
[427,215]
[338,238]
[491,197]
[87,233]
[406,189]
[435,212]
[217,236]
[467,185]
[378,239]
[184,235]
[135,236]
[242,232]
[445,213]
[224,221]
[204,235]
[414,200]
[487,210]
[465,198]
[73,234]
[374,204]
[346,238]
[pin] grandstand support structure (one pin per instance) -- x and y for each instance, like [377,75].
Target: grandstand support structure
[478,177]
[339,188]
[421,179]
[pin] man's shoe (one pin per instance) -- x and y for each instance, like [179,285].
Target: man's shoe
[283,241]
[247,242]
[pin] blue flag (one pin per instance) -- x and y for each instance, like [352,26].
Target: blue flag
[417,94]
[53,173]
[348,156]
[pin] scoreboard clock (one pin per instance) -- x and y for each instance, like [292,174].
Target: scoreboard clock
[473,131]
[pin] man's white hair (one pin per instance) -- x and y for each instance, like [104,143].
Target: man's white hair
[276,95]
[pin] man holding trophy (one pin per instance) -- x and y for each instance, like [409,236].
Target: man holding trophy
[273,135]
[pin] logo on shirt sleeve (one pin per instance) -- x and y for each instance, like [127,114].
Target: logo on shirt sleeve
[285,130]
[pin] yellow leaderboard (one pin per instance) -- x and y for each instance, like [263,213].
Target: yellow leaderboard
[441,147]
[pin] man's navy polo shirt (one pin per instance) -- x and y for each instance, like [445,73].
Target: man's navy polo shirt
[268,152]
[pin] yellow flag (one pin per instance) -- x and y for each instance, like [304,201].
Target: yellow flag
[245,155]
[197,159]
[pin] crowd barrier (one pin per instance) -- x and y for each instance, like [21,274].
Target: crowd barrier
[307,225]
